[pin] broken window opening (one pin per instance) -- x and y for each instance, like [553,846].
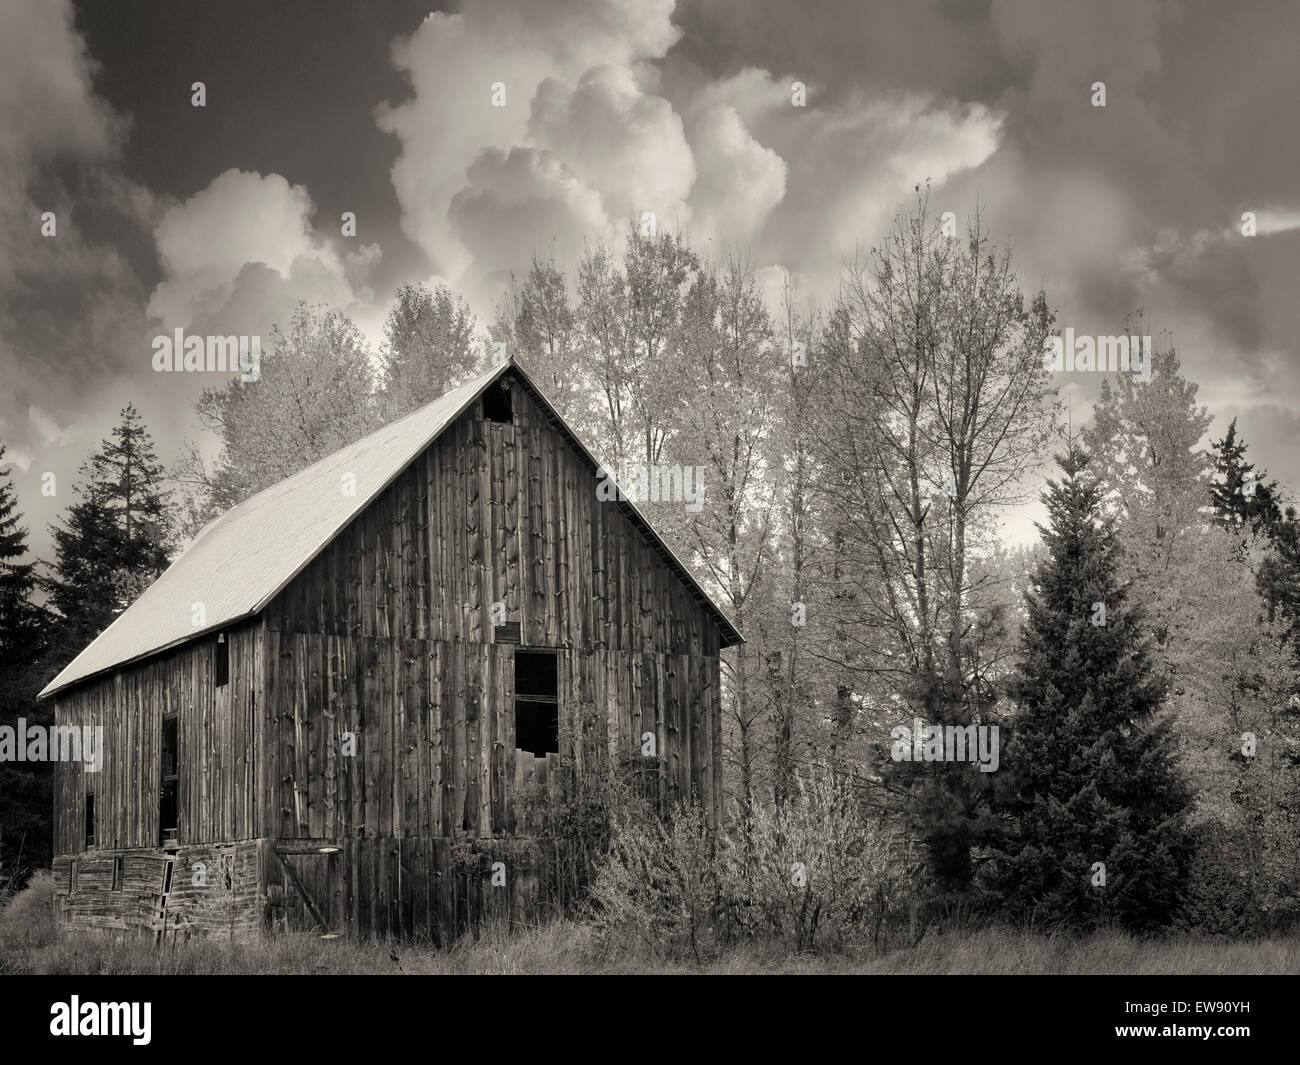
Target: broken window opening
[221,664]
[90,819]
[537,704]
[496,403]
[167,788]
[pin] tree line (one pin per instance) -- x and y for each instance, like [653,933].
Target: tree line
[860,459]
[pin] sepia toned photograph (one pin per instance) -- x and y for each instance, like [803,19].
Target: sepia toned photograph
[650,488]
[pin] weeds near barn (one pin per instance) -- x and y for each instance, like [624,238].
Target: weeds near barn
[30,944]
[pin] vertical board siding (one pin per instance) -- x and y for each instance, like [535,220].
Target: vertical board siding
[216,739]
[370,705]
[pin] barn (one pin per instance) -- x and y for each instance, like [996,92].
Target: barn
[349,706]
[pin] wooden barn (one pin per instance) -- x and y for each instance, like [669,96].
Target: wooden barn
[348,705]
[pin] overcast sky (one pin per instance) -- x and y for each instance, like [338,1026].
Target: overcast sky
[220,218]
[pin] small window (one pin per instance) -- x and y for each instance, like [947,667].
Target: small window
[496,402]
[221,666]
[537,712]
[117,874]
[507,632]
[167,783]
[90,819]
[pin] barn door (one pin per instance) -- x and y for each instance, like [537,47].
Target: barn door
[309,877]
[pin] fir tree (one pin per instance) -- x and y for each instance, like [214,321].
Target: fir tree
[1089,773]
[26,800]
[21,620]
[1240,496]
[112,543]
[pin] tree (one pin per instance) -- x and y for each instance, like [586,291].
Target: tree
[26,800]
[731,416]
[1089,774]
[539,327]
[935,404]
[315,395]
[22,621]
[113,540]
[429,347]
[631,337]
[1241,497]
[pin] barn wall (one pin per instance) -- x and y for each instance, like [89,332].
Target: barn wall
[217,737]
[388,635]
[369,641]
[497,513]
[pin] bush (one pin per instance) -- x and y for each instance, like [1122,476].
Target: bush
[812,867]
[659,881]
[812,872]
[27,919]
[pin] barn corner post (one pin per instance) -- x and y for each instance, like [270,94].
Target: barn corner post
[371,732]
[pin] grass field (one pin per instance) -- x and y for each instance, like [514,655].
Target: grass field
[29,943]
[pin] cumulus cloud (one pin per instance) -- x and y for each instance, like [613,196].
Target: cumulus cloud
[238,254]
[740,181]
[627,145]
[594,134]
[454,60]
[520,201]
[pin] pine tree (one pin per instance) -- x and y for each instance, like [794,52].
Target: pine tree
[1240,496]
[1089,775]
[112,544]
[21,620]
[26,801]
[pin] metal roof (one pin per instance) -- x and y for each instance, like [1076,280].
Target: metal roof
[238,563]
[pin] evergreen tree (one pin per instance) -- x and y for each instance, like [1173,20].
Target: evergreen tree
[26,801]
[1089,773]
[22,629]
[1244,501]
[112,544]
[1240,496]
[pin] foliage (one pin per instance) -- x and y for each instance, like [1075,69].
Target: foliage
[810,872]
[1089,774]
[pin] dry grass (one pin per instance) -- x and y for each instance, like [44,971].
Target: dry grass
[30,943]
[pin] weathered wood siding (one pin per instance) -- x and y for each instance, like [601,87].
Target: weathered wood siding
[218,737]
[388,635]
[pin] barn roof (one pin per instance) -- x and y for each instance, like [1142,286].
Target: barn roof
[238,563]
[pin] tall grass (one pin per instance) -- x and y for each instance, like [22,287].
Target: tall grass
[30,943]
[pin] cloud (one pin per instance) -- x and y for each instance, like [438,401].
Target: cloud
[740,181]
[520,201]
[594,134]
[622,142]
[240,253]
[453,61]
[49,430]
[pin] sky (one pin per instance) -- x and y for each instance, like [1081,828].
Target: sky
[220,218]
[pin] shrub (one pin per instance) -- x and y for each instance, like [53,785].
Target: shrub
[811,872]
[811,867]
[659,881]
[27,919]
